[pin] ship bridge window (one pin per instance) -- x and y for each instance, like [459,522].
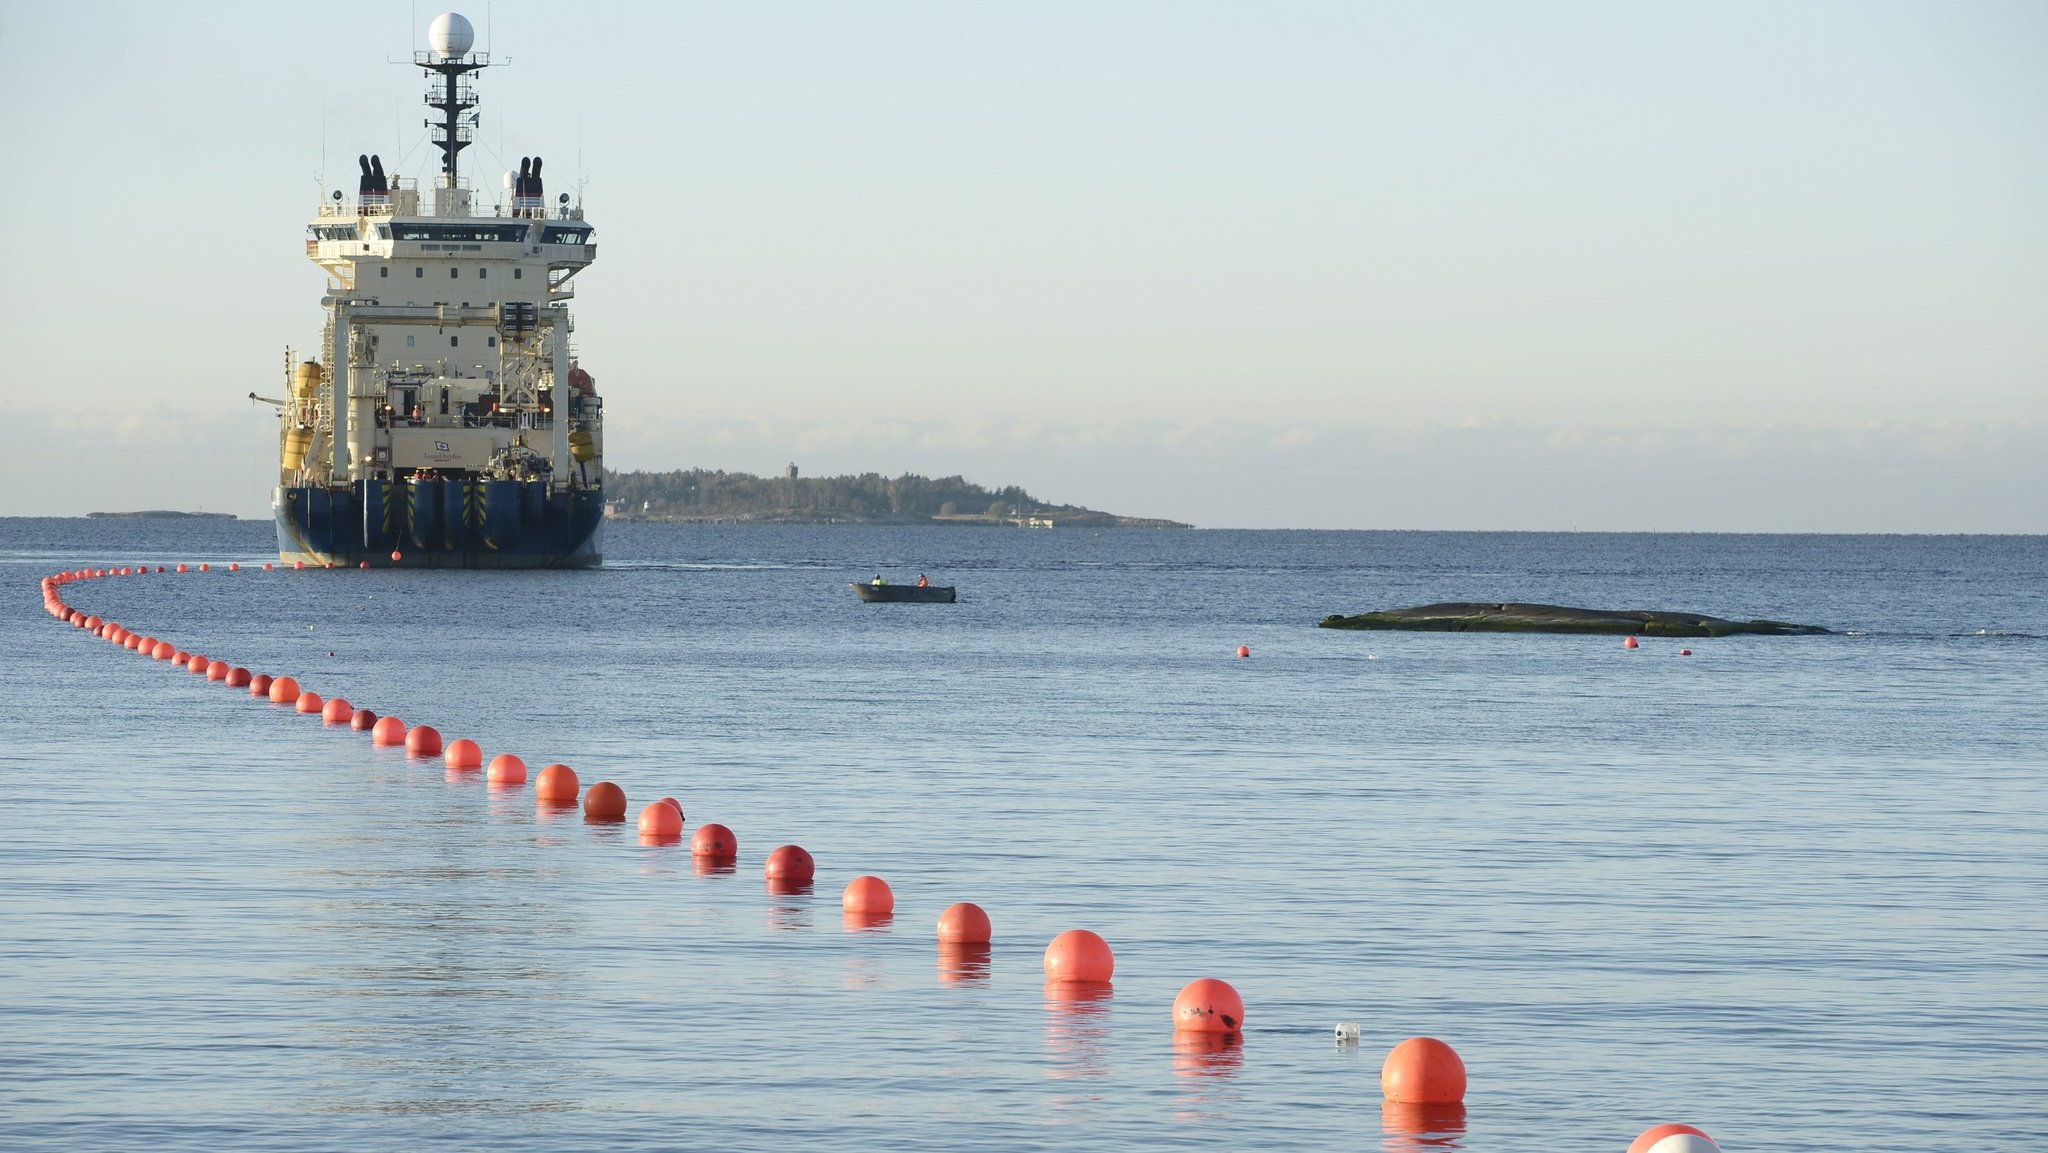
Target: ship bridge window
[563,234]
[334,231]
[494,233]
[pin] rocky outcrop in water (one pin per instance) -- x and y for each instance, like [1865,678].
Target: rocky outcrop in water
[1486,617]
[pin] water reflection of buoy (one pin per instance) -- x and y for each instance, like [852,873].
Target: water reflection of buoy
[964,923]
[1421,1127]
[714,843]
[1423,1070]
[1673,1139]
[557,785]
[423,741]
[868,896]
[506,770]
[792,864]
[963,961]
[1079,955]
[464,754]
[1207,1005]
[387,731]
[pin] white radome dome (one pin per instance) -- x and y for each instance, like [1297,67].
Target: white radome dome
[451,36]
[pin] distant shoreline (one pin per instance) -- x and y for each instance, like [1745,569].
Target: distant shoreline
[164,514]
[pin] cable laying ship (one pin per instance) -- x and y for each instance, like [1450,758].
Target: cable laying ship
[445,422]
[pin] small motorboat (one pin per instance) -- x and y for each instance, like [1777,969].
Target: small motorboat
[912,594]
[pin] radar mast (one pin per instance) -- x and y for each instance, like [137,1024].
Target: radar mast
[448,56]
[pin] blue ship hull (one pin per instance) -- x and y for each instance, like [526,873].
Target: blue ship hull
[436,523]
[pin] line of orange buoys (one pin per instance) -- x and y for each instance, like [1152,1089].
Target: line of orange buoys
[1422,1079]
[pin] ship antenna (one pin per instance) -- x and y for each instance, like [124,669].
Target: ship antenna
[449,58]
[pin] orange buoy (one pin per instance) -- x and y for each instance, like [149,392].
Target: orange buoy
[557,783]
[235,567]
[310,702]
[197,665]
[423,741]
[1629,643]
[675,804]
[604,803]
[259,684]
[792,864]
[660,822]
[387,731]
[131,641]
[714,842]
[206,567]
[238,677]
[283,689]
[217,670]
[506,769]
[362,719]
[363,564]
[868,896]
[1673,1139]
[162,650]
[1243,651]
[1207,1005]
[337,712]
[1079,955]
[182,568]
[299,565]
[1423,1070]
[964,923]
[267,566]
[396,556]
[464,753]
[1685,652]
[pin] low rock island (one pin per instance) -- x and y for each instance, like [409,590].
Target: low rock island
[1490,617]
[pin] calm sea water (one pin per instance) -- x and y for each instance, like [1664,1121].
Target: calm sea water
[1787,889]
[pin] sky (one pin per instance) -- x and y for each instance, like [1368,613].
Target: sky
[1599,266]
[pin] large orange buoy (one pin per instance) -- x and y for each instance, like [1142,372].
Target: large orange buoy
[1673,1139]
[674,804]
[362,719]
[1207,1005]
[337,712]
[714,842]
[792,864]
[604,803]
[1423,1070]
[218,670]
[1629,643]
[238,677]
[1079,955]
[162,650]
[197,665]
[259,684]
[283,689]
[423,741]
[557,783]
[660,823]
[310,702]
[964,923]
[464,753]
[387,731]
[506,769]
[868,896]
